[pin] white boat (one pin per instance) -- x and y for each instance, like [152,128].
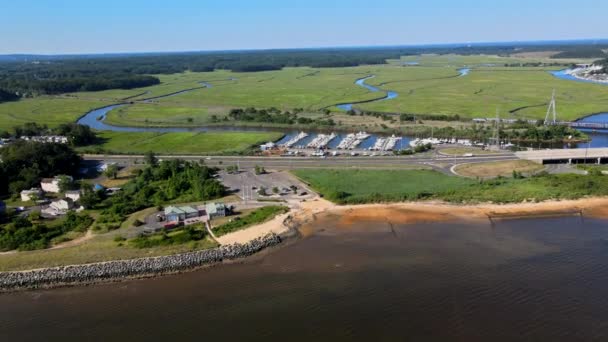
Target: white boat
[295,140]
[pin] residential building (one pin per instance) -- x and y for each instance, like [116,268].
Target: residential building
[73,195]
[63,204]
[215,210]
[52,184]
[58,207]
[32,194]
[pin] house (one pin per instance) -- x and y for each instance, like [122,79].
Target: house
[186,215]
[52,184]
[32,194]
[73,195]
[63,204]
[215,210]
[58,207]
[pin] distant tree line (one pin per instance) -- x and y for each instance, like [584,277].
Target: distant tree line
[582,52]
[30,75]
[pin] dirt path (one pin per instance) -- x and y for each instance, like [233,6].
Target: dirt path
[87,236]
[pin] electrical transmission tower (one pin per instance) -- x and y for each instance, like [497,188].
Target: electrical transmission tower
[495,144]
[552,109]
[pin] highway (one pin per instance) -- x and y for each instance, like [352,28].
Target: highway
[430,160]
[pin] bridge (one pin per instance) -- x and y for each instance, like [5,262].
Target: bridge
[563,156]
[573,124]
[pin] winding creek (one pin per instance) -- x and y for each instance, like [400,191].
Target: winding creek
[96,118]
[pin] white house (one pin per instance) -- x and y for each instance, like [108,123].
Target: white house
[73,195]
[63,204]
[59,207]
[52,184]
[31,195]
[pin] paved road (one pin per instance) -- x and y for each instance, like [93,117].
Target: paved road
[435,161]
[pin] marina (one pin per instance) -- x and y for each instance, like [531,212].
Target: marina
[294,140]
[352,141]
[321,141]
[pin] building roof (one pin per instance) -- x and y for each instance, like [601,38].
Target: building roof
[72,192]
[213,208]
[180,210]
[31,191]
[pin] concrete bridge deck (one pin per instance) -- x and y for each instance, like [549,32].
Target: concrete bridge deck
[573,156]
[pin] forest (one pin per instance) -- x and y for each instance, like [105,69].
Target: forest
[25,163]
[30,75]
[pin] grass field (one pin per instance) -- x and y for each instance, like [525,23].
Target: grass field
[429,88]
[48,110]
[495,169]
[180,143]
[357,186]
[459,151]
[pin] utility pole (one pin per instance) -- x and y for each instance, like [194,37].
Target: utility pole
[551,110]
[496,137]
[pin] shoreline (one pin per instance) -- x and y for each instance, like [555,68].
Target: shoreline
[299,222]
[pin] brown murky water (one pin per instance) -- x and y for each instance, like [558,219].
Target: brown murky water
[535,280]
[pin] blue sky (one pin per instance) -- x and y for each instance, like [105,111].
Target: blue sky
[87,26]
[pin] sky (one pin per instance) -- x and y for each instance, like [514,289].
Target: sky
[106,26]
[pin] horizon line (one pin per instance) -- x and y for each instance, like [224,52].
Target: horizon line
[478,43]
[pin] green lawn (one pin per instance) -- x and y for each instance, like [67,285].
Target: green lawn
[257,216]
[153,114]
[180,143]
[48,110]
[366,186]
[358,186]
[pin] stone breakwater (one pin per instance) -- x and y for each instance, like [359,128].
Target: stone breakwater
[135,268]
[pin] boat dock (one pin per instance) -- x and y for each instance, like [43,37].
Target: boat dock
[321,141]
[386,144]
[295,139]
[353,140]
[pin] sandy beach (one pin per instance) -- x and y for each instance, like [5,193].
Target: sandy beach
[416,212]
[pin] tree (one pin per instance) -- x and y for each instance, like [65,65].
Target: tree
[275,190]
[89,198]
[293,188]
[112,171]
[259,170]
[151,159]
[65,183]
[262,191]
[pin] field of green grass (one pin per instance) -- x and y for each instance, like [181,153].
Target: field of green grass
[479,93]
[430,88]
[180,143]
[48,110]
[358,186]
[367,186]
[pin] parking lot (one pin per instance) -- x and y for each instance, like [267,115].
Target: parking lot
[247,185]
